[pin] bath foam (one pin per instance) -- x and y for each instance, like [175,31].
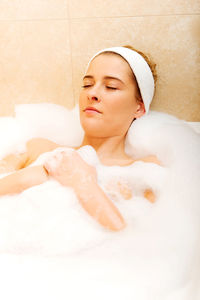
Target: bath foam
[44,120]
[155,257]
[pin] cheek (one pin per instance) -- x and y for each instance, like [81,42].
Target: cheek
[122,104]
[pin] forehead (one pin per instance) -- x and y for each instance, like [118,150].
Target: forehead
[110,64]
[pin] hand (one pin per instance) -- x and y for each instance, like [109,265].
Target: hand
[70,169]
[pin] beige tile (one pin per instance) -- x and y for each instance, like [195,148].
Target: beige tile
[33,9]
[99,8]
[172,41]
[35,63]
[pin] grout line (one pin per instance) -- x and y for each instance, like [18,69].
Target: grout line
[138,16]
[34,20]
[70,47]
[99,17]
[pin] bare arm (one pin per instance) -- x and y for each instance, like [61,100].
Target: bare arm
[12,162]
[22,179]
[84,183]
[34,148]
[71,170]
[98,205]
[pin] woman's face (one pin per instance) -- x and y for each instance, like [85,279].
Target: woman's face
[109,97]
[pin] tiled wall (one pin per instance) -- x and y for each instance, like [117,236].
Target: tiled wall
[45,46]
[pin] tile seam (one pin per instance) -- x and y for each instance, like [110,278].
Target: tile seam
[70,47]
[99,17]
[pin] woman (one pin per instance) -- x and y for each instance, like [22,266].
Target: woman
[118,88]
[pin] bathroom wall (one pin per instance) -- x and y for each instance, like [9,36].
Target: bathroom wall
[45,46]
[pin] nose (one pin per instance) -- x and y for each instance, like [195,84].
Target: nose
[94,98]
[93,95]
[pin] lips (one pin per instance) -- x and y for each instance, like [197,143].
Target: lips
[91,109]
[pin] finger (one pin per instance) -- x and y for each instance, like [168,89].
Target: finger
[64,151]
[51,164]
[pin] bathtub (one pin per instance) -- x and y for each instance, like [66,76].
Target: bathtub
[51,249]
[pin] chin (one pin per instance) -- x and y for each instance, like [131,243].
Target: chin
[93,131]
[90,124]
[99,128]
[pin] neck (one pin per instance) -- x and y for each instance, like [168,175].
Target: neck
[107,148]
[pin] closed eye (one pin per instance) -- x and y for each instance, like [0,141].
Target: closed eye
[86,85]
[111,88]
[107,87]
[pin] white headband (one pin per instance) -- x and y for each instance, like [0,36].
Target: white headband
[140,69]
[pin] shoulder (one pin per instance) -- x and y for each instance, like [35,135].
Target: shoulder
[36,146]
[130,161]
[41,143]
[150,159]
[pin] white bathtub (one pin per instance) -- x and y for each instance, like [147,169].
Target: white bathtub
[50,248]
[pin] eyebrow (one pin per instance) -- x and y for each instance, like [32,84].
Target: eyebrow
[105,77]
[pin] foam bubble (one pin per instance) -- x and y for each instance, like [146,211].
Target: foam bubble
[157,255]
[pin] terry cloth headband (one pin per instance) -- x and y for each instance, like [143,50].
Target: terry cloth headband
[140,69]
